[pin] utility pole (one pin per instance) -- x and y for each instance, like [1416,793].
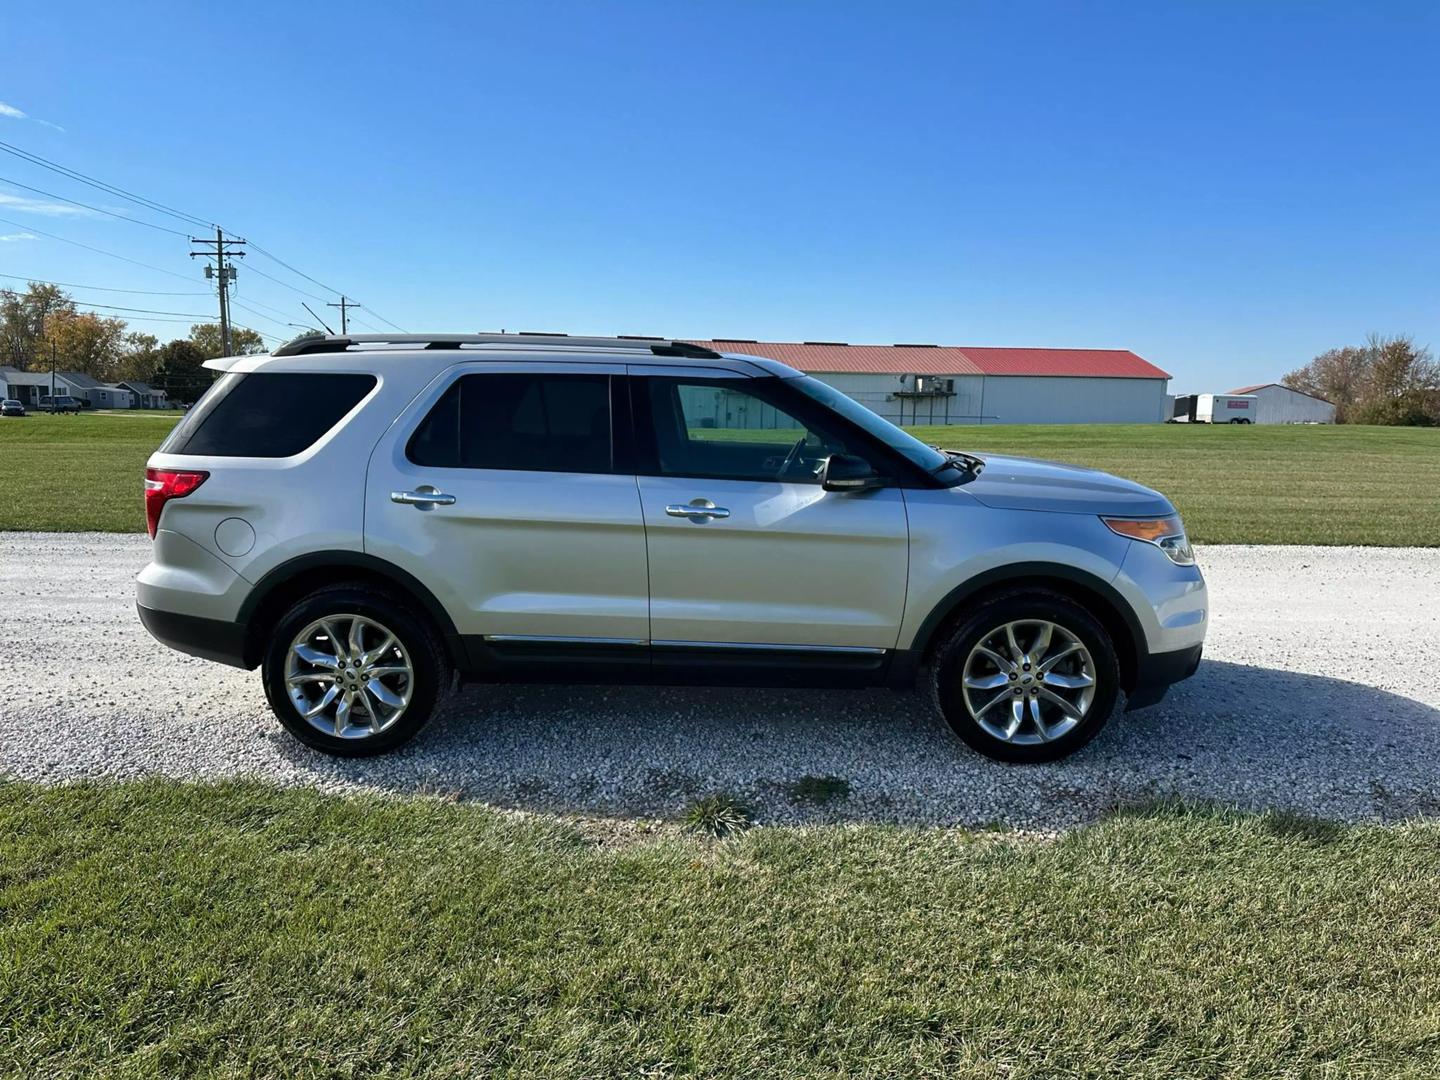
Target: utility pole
[220,250]
[343,305]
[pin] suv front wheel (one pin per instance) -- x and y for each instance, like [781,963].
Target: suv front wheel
[350,671]
[1030,676]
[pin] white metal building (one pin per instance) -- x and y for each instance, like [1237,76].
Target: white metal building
[934,384]
[1277,404]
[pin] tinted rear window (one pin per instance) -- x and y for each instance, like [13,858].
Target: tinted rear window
[543,422]
[266,415]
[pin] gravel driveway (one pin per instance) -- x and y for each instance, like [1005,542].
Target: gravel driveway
[1318,694]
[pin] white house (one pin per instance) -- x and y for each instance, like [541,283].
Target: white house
[29,387]
[935,384]
[1277,404]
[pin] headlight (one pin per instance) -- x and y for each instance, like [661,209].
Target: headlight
[1165,533]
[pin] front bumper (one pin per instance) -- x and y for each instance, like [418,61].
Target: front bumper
[1155,673]
[210,639]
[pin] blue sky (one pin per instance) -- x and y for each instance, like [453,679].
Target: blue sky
[1227,189]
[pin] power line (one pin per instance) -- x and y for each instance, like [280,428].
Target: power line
[98,288]
[259,333]
[386,321]
[252,268]
[75,174]
[250,300]
[152,204]
[275,258]
[253,311]
[87,247]
[96,209]
[146,311]
[100,314]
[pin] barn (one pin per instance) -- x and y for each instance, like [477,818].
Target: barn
[943,384]
[1277,404]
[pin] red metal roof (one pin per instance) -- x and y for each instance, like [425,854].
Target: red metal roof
[1100,363]
[945,359]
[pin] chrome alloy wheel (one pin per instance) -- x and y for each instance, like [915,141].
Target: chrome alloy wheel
[1029,682]
[348,676]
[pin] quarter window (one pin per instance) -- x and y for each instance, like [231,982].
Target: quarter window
[542,422]
[266,415]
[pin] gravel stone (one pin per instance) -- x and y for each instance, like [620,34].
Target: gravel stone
[1318,695]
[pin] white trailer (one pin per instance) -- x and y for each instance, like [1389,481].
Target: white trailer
[1214,409]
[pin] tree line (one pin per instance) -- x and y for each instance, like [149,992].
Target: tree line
[1388,380]
[42,325]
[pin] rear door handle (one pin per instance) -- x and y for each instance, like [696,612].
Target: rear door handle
[697,510]
[423,498]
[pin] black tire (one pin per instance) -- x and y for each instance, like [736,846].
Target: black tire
[419,640]
[1020,605]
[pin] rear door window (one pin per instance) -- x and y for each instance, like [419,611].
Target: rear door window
[545,422]
[266,414]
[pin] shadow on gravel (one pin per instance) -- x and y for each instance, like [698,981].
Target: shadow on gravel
[1234,734]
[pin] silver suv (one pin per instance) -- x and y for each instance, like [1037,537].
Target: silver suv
[369,519]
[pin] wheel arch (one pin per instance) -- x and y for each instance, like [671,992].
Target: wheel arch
[297,577]
[1098,596]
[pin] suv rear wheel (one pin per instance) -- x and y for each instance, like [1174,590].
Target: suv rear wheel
[350,671]
[1030,676]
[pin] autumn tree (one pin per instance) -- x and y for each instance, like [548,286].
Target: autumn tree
[1388,380]
[85,342]
[206,337]
[23,319]
[1404,385]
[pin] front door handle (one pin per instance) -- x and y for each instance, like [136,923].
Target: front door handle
[423,498]
[697,510]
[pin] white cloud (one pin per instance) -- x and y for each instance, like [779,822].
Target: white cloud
[41,206]
[10,238]
[13,113]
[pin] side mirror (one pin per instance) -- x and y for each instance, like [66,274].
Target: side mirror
[846,472]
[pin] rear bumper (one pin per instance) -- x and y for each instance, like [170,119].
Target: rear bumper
[210,639]
[1157,672]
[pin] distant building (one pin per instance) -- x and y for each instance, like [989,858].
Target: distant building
[28,387]
[1277,404]
[143,394]
[93,392]
[935,384]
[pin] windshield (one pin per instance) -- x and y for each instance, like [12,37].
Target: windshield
[927,457]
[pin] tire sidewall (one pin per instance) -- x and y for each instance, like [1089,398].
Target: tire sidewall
[416,637]
[950,661]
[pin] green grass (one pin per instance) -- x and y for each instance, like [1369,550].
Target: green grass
[167,930]
[77,473]
[1256,485]
[1282,484]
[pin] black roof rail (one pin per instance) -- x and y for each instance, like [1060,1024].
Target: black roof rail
[684,348]
[328,343]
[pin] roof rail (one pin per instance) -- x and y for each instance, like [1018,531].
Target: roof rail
[321,343]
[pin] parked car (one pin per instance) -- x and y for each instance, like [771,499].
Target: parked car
[364,518]
[11,407]
[60,403]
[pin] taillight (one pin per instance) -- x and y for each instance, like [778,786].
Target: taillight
[162,485]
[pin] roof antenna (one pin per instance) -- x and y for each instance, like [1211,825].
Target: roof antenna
[321,321]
